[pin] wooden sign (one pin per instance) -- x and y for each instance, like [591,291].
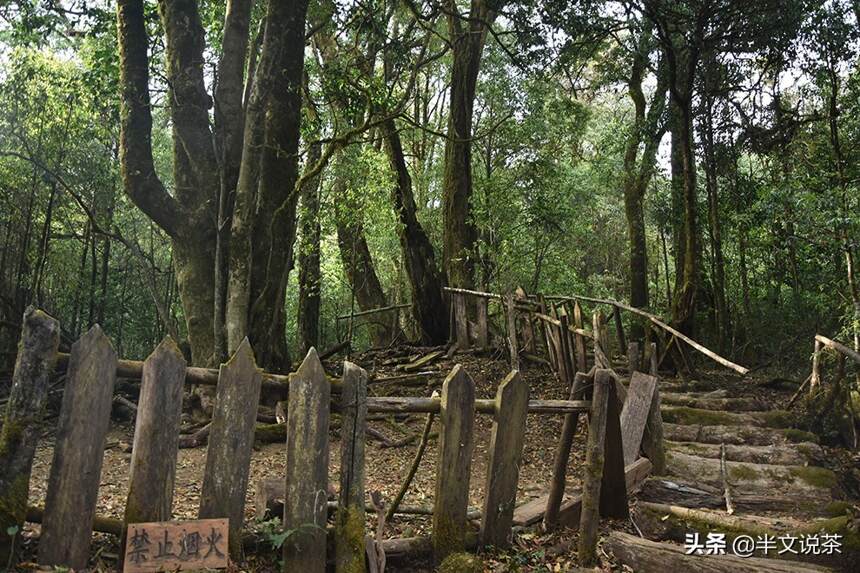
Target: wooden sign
[176,545]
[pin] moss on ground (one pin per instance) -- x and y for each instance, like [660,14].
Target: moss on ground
[743,472]
[815,476]
[695,416]
[797,436]
[776,418]
[461,563]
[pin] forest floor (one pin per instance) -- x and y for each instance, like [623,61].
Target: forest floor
[777,479]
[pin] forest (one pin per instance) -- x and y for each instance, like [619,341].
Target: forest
[328,174]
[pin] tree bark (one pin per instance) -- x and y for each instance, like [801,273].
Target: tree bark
[424,277]
[648,126]
[309,259]
[467,37]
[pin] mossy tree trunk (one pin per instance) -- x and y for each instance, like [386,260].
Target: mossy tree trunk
[309,259]
[648,126]
[424,277]
[467,38]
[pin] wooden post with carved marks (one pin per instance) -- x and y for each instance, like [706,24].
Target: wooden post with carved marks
[349,521]
[21,431]
[456,444]
[231,439]
[307,468]
[73,485]
[506,448]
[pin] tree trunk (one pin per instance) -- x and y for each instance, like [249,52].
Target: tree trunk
[309,258]
[467,37]
[648,127]
[418,253]
[264,218]
[361,274]
[718,273]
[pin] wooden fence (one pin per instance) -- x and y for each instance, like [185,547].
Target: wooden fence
[560,318]
[92,367]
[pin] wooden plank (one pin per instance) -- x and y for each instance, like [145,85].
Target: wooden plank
[307,468]
[506,448]
[594,465]
[423,361]
[566,357]
[349,521]
[482,329]
[550,350]
[579,340]
[533,511]
[73,484]
[635,414]
[456,443]
[652,438]
[613,493]
[562,456]
[156,436]
[461,321]
[176,546]
[513,345]
[21,431]
[231,438]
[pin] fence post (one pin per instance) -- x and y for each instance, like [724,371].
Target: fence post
[461,319]
[594,463]
[579,340]
[307,468]
[815,378]
[156,436]
[513,345]
[528,330]
[633,358]
[652,438]
[562,456]
[349,525]
[547,334]
[40,337]
[613,490]
[482,327]
[654,358]
[456,444]
[567,357]
[619,330]
[506,448]
[231,438]
[601,358]
[73,485]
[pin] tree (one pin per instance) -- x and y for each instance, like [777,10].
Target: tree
[261,238]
